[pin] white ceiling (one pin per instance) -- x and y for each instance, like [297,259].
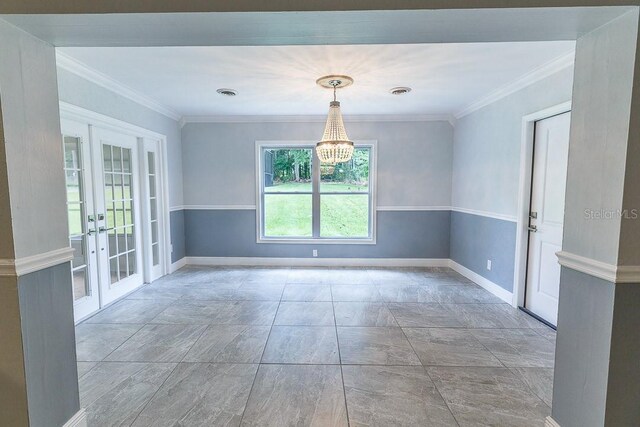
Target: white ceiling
[280,80]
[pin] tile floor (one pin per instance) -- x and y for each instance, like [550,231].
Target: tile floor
[314,347]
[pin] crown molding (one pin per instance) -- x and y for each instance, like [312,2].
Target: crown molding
[80,69]
[21,266]
[618,274]
[527,79]
[317,118]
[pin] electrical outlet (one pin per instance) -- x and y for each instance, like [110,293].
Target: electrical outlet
[315,252]
[488,264]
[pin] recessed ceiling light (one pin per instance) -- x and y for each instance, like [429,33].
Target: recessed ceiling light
[227,92]
[399,90]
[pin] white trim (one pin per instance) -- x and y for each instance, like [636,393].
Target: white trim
[79,419]
[21,266]
[177,265]
[318,262]
[618,274]
[318,119]
[520,83]
[219,207]
[493,215]
[413,208]
[75,113]
[176,208]
[80,69]
[524,195]
[550,422]
[487,284]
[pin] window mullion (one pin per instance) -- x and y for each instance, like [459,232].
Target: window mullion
[315,198]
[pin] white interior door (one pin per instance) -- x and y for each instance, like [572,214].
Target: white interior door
[82,220]
[117,202]
[551,152]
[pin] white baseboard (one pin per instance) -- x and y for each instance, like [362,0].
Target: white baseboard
[78,420]
[487,284]
[550,422]
[318,262]
[177,265]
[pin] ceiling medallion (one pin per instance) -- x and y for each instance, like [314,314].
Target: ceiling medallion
[335,146]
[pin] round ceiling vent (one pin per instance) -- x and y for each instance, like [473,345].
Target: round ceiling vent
[227,92]
[399,90]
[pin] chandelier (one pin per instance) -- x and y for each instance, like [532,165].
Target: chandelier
[335,146]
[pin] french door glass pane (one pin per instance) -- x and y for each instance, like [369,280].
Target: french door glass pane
[344,215]
[351,176]
[287,215]
[120,212]
[80,285]
[287,170]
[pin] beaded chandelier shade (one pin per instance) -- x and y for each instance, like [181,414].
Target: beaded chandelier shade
[335,146]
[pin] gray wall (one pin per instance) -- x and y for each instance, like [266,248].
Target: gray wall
[177,235]
[476,238]
[414,171]
[83,93]
[414,159]
[400,234]
[485,177]
[46,312]
[600,134]
[32,144]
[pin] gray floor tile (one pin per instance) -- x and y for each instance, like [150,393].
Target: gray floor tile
[347,276]
[222,292]
[490,316]
[488,396]
[393,396]
[94,342]
[449,347]
[267,275]
[295,395]
[158,292]
[395,276]
[424,315]
[259,292]
[407,293]
[363,314]
[158,343]
[302,344]
[539,380]
[219,313]
[448,279]
[114,393]
[308,275]
[306,292]
[131,311]
[518,347]
[375,346]
[200,394]
[462,294]
[84,367]
[546,332]
[229,344]
[355,293]
[305,314]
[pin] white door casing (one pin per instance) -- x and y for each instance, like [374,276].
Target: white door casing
[551,150]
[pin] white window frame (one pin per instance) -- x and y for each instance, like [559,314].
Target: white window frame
[370,240]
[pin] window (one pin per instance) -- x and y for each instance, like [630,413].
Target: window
[303,200]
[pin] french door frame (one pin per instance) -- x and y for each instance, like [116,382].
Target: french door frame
[524,196]
[144,138]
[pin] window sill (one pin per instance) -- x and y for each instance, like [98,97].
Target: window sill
[303,241]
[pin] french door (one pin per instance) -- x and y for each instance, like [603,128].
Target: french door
[114,208]
[115,159]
